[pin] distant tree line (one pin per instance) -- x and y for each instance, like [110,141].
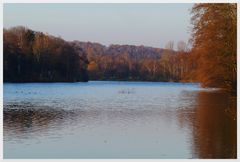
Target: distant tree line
[31,56]
[138,63]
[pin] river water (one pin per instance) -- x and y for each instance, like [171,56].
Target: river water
[107,119]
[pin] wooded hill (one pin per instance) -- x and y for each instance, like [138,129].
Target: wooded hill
[128,62]
[31,56]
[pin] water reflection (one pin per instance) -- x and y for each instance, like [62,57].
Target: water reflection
[159,121]
[213,124]
[24,120]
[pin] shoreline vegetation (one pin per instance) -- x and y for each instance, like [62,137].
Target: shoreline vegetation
[39,57]
[32,56]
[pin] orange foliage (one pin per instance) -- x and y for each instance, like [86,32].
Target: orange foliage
[215,44]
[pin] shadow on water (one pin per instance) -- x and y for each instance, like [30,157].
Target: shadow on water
[213,124]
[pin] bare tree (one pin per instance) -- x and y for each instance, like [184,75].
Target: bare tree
[169,45]
[182,46]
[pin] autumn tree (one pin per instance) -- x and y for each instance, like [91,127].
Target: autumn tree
[215,44]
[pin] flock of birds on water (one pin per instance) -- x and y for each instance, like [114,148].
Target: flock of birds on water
[127,91]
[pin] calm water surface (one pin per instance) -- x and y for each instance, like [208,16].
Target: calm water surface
[117,120]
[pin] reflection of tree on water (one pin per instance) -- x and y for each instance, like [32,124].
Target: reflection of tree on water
[206,115]
[213,125]
[19,121]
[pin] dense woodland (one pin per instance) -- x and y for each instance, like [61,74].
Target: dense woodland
[31,56]
[125,62]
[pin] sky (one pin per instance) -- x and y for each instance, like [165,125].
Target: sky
[134,24]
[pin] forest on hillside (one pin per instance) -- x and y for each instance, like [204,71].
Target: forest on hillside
[138,63]
[32,56]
